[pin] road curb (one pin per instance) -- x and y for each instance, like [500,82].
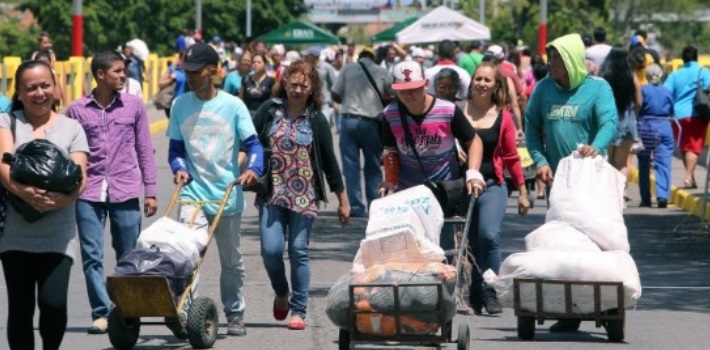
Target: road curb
[158,126]
[678,197]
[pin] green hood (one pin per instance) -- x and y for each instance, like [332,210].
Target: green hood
[571,49]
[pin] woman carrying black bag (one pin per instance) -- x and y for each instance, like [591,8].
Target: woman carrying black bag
[37,257]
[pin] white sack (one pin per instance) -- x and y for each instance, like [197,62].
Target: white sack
[558,235]
[170,235]
[415,208]
[609,266]
[401,246]
[588,194]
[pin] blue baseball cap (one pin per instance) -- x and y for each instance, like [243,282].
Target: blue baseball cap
[312,51]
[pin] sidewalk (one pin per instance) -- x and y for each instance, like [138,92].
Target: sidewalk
[688,200]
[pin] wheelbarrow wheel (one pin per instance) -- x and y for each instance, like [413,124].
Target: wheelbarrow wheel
[122,332]
[614,328]
[202,323]
[526,327]
[343,340]
[464,337]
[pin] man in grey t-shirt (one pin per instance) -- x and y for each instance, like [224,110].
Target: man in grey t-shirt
[360,127]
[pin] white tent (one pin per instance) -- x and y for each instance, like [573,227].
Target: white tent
[440,24]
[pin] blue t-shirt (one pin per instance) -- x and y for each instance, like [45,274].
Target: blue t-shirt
[585,115]
[683,85]
[657,101]
[233,83]
[212,131]
[5,104]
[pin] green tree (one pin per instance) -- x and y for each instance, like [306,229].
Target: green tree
[16,40]
[109,23]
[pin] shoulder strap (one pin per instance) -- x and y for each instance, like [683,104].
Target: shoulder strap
[13,125]
[409,140]
[372,82]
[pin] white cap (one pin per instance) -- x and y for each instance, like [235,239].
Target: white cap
[408,75]
[417,52]
[495,51]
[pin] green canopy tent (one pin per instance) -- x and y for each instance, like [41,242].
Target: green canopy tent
[299,32]
[390,34]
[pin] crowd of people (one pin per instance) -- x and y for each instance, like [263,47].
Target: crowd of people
[267,117]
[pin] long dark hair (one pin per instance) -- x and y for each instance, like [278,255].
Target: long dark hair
[616,70]
[315,99]
[16,103]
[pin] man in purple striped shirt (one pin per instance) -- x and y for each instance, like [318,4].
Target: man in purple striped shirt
[121,160]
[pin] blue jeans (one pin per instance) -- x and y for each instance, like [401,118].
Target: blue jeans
[228,238]
[125,224]
[484,236]
[658,142]
[274,221]
[356,135]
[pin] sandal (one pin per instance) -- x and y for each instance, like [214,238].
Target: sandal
[541,195]
[296,323]
[689,184]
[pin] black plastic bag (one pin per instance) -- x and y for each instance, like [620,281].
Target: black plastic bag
[42,164]
[153,261]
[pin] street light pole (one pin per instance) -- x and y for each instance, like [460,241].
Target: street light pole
[248,18]
[198,16]
[77,37]
[482,11]
[542,28]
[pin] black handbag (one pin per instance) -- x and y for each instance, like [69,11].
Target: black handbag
[701,105]
[451,194]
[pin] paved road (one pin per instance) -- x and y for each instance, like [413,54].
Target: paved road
[668,246]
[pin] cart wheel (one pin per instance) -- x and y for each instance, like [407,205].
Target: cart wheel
[526,327]
[464,335]
[343,340]
[122,332]
[202,323]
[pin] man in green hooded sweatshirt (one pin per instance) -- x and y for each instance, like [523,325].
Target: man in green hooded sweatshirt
[570,107]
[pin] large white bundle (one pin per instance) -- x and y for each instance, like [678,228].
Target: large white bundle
[588,194]
[401,246]
[170,235]
[558,235]
[415,208]
[607,266]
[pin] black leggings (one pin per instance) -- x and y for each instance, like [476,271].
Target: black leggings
[50,273]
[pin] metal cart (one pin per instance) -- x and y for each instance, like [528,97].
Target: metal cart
[192,318]
[612,320]
[445,331]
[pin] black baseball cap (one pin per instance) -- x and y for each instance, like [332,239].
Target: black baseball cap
[199,55]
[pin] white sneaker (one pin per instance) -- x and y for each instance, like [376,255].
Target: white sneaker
[99,326]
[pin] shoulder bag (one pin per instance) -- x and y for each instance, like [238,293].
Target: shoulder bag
[451,194]
[261,185]
[701,105]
